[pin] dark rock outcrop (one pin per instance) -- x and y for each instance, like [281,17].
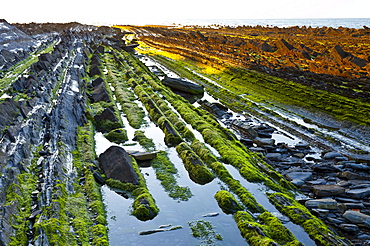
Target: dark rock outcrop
[107,114]
[182,85]
[117,164]
[100,93]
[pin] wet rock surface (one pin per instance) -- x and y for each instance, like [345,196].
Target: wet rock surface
[117,164]
[182,85]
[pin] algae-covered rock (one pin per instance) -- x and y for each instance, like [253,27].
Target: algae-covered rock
[198,171]
[144,207]
[227,202]
[117,136]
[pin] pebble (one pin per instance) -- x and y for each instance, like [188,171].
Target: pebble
[273,156]
[349,227]
[356,217]
[332,155]
[211,215]
[327,203]
[358,193]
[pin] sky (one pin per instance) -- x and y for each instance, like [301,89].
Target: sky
[156,11]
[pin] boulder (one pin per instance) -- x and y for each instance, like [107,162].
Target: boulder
[359,167]
[304,176]
[215,108]
[95,60]
[302,145]
[97,82]
[349,228]
[46,58]
[325,169]
[245,127]
[117,164]
[9,110]
[183,85]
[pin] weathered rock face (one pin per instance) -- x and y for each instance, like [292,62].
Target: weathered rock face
[107,114]
[183,85]
[100,93]
[117,164]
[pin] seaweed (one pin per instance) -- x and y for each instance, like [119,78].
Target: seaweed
[227,202]
[196,168]
[204,231]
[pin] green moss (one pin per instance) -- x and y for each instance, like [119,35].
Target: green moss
[204,231]
[117,135]
[134,113]
[165,171]
[107,125]
[116,184]
[227,202]
[203,152]
[100,232]
[276,230]
[20,194]
[144,207]
[197,170]
[86,206]
[145,142]
[300,215]
[252,231]
[55,229]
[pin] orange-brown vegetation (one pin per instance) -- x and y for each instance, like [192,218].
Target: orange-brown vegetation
[335,60]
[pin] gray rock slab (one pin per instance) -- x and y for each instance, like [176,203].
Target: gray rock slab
[328,203]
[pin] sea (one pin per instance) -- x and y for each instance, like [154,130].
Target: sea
[332,22]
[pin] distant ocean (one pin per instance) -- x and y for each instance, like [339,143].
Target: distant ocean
[335,23]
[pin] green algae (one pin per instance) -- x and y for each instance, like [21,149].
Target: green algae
[203,152]
[144,141]
[20,194]
[86,206]
[262,87]
[165,170]
[267,231]
[204,231]
[196,168]
[227,202]
[117,135]
[250,165]
[126,98]
[300,215]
